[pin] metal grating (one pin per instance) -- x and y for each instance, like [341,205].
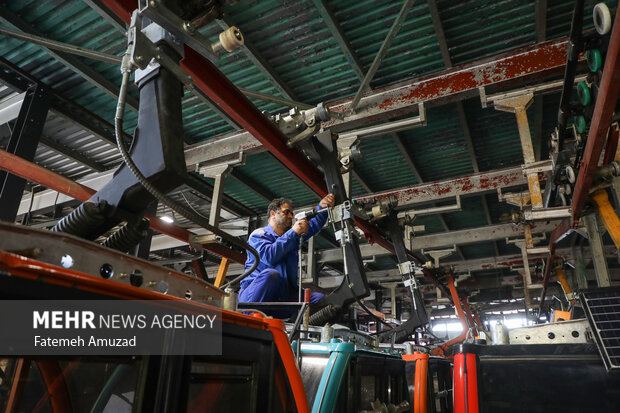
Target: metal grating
[602,307]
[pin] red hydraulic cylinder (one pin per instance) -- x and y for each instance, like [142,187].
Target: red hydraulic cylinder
[465,385]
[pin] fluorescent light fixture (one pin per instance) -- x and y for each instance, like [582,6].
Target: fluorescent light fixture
[167,219]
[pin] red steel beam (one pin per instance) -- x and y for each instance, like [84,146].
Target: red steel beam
[601,120]
[35,173]
[223,92]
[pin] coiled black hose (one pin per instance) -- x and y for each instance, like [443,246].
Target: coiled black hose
[126,237]
[81,220]
[160,196]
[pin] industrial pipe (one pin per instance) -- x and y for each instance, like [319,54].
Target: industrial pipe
[440,351]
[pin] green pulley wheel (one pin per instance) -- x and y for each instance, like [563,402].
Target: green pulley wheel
[580,123]
[595,61]
[583,91]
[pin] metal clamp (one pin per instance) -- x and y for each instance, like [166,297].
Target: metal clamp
[186,31]
[146,56]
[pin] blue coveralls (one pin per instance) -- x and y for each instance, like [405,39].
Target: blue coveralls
[275,278]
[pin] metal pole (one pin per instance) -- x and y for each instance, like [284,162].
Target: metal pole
[518,106]
[274,99]
[400,19]
[598,255]
[60,46]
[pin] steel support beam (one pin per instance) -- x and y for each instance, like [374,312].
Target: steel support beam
[143,249]
[462,186]
[447,60]
[72,154]
[338,33]
[540,9]
[387,42]
[23,143]
[537,61]
[103,11]
[598,255]
[447,239]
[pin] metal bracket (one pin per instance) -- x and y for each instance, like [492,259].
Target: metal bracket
[219,172]
[519,199]
[146,56]
[410,214]
[157,12]
[438,254]
[537,167]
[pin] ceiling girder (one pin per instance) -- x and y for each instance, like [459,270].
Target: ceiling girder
[446,239]
[452,84]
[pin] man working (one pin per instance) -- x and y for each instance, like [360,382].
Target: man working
[275,278]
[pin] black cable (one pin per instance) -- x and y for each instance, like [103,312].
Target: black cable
[160,196]
[349,283]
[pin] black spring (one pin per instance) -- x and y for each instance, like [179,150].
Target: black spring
[127,236]
[398,335]
[81,221]
[323,315]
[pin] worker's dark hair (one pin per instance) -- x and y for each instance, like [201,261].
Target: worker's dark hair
[276,204]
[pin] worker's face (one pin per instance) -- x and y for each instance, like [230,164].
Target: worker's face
[284,217]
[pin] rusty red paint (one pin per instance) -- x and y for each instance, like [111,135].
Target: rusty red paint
[512,65]
[487,181]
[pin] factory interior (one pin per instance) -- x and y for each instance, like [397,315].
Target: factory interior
[441,180]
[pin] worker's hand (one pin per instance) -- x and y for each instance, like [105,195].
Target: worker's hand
[328,201]
[300,227]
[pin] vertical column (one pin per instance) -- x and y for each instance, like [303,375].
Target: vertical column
[220,172]
[519,106]
[23,143]
[311,264]
[598,255]
[580,268]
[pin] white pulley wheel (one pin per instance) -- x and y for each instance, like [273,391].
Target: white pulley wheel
[602,18]
[570,174]
[231,38]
